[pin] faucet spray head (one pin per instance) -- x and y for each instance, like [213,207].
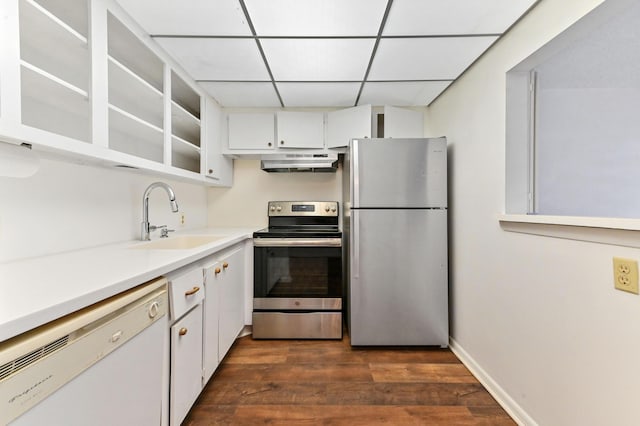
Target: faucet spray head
[174,206]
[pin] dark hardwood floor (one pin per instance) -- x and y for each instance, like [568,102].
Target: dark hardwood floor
[326,382]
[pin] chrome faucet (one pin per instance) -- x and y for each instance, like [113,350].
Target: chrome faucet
[146,227]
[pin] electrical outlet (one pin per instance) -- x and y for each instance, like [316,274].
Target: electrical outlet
[625,274]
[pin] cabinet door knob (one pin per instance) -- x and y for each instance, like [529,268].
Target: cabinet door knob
[210,171]
[281,142]
[183,331]
[217,271]
[225,265]
[269,144]
[193,291]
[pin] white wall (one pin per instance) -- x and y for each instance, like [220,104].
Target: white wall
[537,315]
[67,206]
[245,204]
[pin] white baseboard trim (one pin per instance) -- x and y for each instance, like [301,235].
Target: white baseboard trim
[510,406]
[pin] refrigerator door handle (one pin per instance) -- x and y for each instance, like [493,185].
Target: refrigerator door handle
[355,244]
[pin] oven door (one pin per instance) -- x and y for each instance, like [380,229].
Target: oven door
[297,274]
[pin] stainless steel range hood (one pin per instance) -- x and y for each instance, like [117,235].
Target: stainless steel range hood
[286,163]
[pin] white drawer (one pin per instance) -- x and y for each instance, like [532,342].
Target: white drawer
[185,292]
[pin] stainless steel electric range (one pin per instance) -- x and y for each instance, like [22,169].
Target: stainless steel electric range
[298,272]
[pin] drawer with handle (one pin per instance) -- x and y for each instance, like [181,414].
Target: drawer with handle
[185,291]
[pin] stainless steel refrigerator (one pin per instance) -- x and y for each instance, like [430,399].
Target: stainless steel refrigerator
[395,228]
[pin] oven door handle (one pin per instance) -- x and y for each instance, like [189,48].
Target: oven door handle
[297,242]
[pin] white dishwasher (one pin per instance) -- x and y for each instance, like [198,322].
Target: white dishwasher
[101,365]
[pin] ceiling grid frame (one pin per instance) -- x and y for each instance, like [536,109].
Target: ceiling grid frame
[282,22]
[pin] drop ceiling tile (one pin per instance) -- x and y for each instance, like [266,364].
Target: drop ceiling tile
[242,94]
[193,17]
[426,58]
[318,59]
[318,94]
[316,17]
[431,17]
[404,93]
[217,59]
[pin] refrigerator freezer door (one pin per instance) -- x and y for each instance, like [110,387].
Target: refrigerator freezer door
[398,173]
[398,278]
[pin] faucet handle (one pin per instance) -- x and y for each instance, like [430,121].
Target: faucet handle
[154,227]
[165,232]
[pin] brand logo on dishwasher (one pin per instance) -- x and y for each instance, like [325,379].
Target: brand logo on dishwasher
[28,391]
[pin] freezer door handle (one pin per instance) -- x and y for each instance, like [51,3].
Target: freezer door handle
[355,174]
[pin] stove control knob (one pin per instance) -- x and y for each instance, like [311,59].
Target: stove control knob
[326,209]
[272,208]
[333,209]
[279,208]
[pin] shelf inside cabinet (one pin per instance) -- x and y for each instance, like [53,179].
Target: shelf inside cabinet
[185,96]
[51,104]
[126,48]
[73,13]
[51,45]
[131,135]
[185,111]
[185,155]
[135,95]
[184,124]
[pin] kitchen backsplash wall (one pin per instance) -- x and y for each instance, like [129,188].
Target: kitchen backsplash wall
[245,204]
[67,206]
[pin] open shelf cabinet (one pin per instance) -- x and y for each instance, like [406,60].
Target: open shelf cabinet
[55,67]
[81,79]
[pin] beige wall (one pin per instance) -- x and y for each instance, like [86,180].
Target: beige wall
[537,316]
[245,204]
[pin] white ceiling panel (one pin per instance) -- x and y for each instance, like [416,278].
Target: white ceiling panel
[193,17]
[316,17]
[318,94]
[217,59]
[433,17]
[242,94]
[318,59]
[405,93]
[426,58]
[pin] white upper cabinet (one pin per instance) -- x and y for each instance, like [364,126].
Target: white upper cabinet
[54,66]
[403,123]
[217,166]
[185,125]
[82,78]
[251,131]
[136,98]
[300,129]
[346,124]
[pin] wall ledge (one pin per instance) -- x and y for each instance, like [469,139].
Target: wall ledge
[516,412]
[613,231]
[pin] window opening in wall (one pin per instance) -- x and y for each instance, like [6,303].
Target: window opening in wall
[573,133]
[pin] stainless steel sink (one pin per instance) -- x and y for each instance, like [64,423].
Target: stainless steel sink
[182,242]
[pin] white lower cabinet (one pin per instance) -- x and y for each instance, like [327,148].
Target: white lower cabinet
[231,320]
[210,319]
[204,323]
[186,363]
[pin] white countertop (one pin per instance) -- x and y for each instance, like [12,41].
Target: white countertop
[38,290]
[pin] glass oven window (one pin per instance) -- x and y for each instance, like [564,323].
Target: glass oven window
[298,272]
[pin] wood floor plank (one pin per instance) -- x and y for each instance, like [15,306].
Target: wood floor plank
[421,373]
[310,382]
[294,372]
[352,415]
